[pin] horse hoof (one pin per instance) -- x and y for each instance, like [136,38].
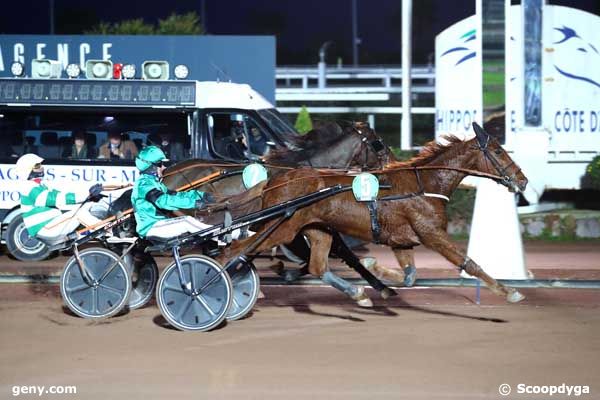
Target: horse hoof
[291,275]
[366,303]
[410,275]
[277,268]
[385,294]
[361,298]
[514,296]
[368,262]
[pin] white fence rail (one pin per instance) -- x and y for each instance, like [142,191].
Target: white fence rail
[294,82]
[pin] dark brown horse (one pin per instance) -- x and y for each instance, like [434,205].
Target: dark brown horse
[407,218]
[342,145]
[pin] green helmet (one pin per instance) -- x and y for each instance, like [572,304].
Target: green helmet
[148,156]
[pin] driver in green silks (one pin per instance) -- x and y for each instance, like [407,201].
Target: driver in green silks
[151,199]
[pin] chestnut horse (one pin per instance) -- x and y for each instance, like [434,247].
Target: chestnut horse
[340,145]
[410,213]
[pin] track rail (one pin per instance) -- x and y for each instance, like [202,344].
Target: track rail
[446,282]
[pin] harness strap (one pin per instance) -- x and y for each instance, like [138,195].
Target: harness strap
[226,224]
[463,266]
[375,227]
[439,196]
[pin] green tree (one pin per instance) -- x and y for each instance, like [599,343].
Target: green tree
[174,24]
[185,24]
[135,26]
[591,179]
[303,122]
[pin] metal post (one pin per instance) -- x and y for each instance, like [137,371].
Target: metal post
[355,39]
[406,131]
[321,69]
[322,65]
[51,6]
[203,10]
[371,120]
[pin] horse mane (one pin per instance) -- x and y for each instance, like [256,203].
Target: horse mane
[430,151]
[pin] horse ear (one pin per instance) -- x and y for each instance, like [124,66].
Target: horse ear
[482,135]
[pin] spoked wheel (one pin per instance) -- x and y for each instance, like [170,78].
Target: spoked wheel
[204,303]
[21,245]
[107,290]
[246,287]
[143,280]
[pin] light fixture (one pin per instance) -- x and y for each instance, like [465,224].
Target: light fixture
[73,70]
[155,70]
[17,69]
[181,71]
[128,71]
[117,71]
[98,69]
[43,68]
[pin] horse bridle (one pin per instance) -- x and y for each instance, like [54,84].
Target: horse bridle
[376,145]
[505,179]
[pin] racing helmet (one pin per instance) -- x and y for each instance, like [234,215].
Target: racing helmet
[239,118]
[26,163]
[148,157]
[237,125]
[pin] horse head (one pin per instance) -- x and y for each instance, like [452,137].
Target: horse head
[493,159]
[371,151]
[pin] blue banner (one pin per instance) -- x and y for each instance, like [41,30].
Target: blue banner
[241,59]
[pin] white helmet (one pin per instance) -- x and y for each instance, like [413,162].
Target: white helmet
[25,164]
[237,117]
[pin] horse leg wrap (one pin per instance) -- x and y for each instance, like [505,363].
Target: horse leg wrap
[340,284]
[292,275]
[410,274]
[470,267]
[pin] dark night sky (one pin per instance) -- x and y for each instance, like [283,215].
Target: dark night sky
[300,26]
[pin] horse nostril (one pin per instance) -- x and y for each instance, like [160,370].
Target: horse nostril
[523,185]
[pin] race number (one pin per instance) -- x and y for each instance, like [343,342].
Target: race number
[253,174]
[365,187]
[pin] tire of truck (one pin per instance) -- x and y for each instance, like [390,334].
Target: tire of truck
[22,246]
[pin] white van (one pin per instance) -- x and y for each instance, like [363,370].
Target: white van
[189,119]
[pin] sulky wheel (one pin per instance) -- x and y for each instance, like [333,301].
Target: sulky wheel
[204,303]
[107,290]
[144,276]
[21,245]
[246,287]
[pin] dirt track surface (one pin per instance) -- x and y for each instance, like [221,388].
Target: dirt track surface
[309,343]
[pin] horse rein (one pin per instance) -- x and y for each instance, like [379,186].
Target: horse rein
[504,179]
[376,145]
[379,149]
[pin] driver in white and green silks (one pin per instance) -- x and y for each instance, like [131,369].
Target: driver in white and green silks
[151,198]
[50,214]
